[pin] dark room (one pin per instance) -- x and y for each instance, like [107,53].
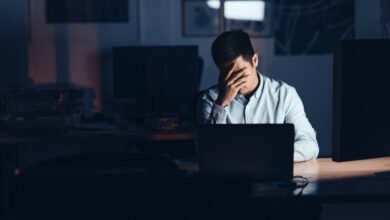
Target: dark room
[195,109]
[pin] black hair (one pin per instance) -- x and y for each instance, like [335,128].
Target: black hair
[230,45]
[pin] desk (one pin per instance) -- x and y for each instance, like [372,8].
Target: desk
[326,169]
[353,181]
[82,137]
[327,178]
[339,181]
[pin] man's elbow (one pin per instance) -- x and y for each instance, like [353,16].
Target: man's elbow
[306,150]
[313,151]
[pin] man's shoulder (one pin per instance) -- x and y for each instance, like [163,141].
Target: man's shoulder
[210,93]
[277,86]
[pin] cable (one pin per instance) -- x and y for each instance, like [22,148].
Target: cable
[301,182]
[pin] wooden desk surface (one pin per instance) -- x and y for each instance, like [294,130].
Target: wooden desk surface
[330,181]
[353,181]
[326,169]
[88,137]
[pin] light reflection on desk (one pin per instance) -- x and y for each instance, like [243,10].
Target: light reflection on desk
[326,169]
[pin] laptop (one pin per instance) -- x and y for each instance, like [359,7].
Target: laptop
[262,152]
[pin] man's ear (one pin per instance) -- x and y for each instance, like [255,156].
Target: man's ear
[255,60]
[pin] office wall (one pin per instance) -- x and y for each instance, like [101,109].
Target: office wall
[78,53]
[81,53]
[310,75]
[13,41]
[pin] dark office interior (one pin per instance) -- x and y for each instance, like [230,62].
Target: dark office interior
[100,101]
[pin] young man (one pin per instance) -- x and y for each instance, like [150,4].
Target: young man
[244,96]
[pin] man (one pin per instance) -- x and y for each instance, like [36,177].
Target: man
[244,96]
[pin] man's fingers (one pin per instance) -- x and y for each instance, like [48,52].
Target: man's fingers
[230,72]
[243,78]
[237,74]
[239,79]
[240,85]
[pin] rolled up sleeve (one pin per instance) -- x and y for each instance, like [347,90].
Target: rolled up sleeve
[210,113]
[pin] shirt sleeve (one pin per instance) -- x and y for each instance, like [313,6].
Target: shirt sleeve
[210,113]
[305,145]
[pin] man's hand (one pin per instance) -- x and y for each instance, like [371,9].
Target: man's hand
[229,85]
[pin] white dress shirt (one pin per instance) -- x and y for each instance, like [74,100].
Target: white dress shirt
[274,102]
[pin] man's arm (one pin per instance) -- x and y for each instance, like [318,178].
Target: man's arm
[211,110]
[208,112]
[305,146]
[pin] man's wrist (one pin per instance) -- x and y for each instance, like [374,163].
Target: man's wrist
[220,103]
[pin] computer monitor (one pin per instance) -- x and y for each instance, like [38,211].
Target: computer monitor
[361,108]
[162,80]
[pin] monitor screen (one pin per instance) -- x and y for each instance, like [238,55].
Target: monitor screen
[361,109]
[162,80]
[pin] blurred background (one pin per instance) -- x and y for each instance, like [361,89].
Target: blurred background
[71,79]
[48,41]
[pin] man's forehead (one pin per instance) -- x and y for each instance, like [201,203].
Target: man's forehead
[239,61]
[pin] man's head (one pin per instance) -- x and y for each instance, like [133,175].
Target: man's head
[230,45]
[234,49]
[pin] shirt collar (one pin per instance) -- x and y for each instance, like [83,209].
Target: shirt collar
[260,87]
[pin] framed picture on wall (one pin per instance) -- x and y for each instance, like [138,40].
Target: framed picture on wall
[87,11]
[315,29]
[253,17]
[384,19]
[201,18]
